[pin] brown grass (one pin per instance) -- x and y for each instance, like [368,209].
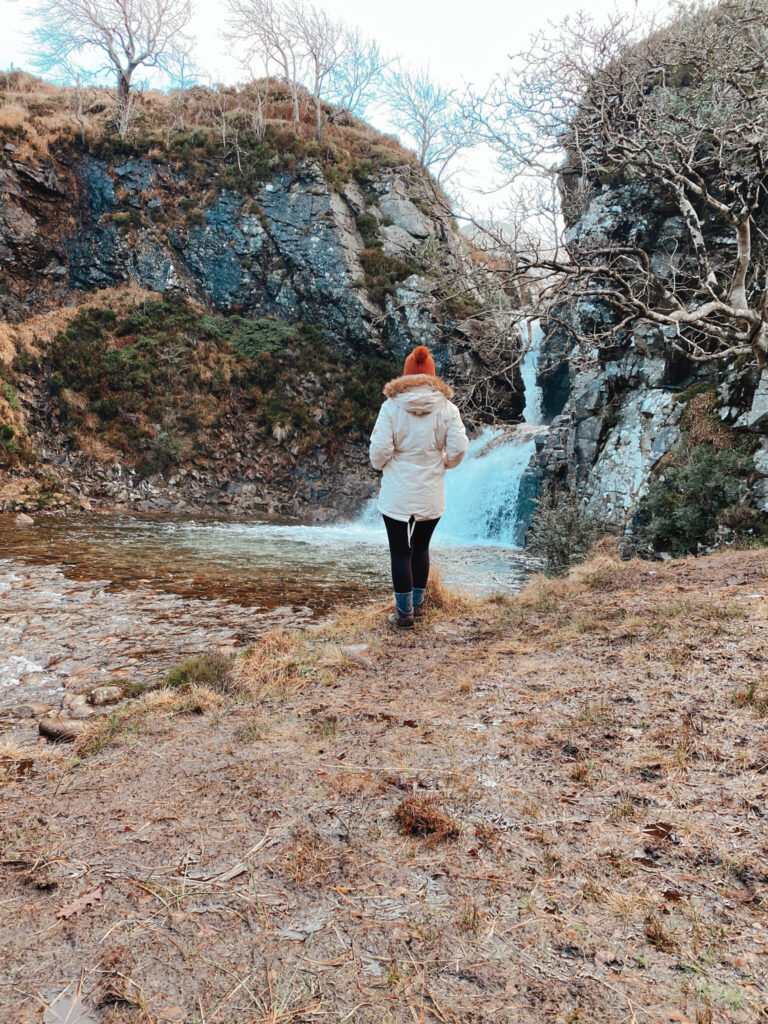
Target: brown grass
[38,117]
[131,719]
[271,668]
[575,834]
[451,601]
[704,426]
[423,816]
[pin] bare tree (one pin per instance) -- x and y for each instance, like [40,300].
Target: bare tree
[680,111]
[182,74]
[264,30]
[358,76]
[429,115]
[128,34]
[320,40]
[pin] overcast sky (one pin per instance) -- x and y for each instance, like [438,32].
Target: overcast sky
[460,42]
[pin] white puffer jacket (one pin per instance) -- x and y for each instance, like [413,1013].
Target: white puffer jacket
[418,435]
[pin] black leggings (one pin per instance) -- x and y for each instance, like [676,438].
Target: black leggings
[410,562]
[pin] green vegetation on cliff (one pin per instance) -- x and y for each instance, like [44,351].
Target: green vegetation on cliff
[157,382]
[232,136]
[700,496]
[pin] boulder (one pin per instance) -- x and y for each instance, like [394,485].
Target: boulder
[22,519]
[756,418]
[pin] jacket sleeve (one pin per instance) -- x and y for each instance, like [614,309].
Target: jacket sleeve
[382,439]
[456,442]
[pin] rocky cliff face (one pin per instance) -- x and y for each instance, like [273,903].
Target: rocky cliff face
[290,248]
[618,411]
[344,257]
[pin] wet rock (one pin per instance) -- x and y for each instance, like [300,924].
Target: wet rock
[61,730]
[76,705]
[105,695]
[756,418]
[22,519]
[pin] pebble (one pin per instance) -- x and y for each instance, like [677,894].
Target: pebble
[105,695]
[62,730]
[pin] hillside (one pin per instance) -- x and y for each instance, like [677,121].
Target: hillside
[262,282]
[548,807]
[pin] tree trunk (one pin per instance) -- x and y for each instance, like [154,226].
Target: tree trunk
[123,102]
[738,295]
[318,113]
[295,97]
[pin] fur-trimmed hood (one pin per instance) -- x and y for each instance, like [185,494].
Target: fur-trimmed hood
[400,385]
[418,393]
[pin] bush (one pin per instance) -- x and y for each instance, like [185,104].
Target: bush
[155,380]
[251,338]
[9,394]
[368,226]
[684,507]
[382,272]
[563,532]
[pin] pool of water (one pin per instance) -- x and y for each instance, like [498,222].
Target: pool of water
[250,562]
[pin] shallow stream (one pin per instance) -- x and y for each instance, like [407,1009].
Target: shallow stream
[257,564]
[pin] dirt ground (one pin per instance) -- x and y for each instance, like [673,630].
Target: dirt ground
[551,808]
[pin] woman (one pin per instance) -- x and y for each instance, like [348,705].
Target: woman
[418,435]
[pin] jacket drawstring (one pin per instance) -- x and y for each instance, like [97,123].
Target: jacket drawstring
[411,528]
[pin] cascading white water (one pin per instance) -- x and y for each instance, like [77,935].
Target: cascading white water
[481,493]
[533,412]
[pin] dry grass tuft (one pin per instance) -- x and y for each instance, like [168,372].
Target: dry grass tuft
[704,425]
[16,760]
[308,859]
[545,593]
[423,816]
[355,622]
[131,717]
[271,667]
[441,598]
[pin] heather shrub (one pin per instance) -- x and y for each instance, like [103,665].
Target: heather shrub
[564,531]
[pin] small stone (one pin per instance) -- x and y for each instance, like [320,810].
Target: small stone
[61,730]
[105,695]
[22,519]
[33,709]
[73,700]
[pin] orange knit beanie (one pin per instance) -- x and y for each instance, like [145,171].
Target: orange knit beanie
[420,361]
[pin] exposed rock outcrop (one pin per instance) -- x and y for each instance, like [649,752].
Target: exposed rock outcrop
[617,416]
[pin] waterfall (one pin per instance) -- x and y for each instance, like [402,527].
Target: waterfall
[481,493]
[533,412]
